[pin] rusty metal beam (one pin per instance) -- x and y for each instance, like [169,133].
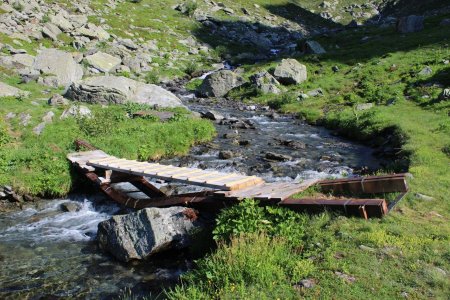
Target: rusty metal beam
[82,143]
[366,185]
[366,208]
[396,201]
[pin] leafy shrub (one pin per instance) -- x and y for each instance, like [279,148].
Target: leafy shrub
[287,98]
[4,136]
[152,77]
[246,268]
[101,121]
[190,7]
[191,68]
[249,217]
[18,6]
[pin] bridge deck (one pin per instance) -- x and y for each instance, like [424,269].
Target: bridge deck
[229,188]
[212,179]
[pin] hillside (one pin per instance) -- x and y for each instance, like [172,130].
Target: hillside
[362,76]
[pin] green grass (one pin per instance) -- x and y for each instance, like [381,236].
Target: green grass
[405,253]
[37,165]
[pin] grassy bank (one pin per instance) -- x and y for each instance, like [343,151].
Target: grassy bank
[404,255]
[37,165]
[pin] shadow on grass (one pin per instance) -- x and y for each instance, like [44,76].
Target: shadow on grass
[248,42]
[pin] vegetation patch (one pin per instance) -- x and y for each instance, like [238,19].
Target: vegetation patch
[37,164]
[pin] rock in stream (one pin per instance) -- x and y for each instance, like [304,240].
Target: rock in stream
[148,231]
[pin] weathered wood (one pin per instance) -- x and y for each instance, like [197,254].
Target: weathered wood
[267,191]
[80,158]
[354,207]
[211,179]
[230,188]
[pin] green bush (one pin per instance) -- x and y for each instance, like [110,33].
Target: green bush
[4,135]
[190,7]
[152,77]
[249,217]
[191,68]
[287,98]
[37,165]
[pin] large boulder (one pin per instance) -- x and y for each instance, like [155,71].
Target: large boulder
[290,71]
[10,91]
[93,32]
[61,21]
[219,83]
[60,64]
[410,24]
[103,61]
[266,83]
[148,231]
[17,61]
[118,90]
[51,31]
[312,47]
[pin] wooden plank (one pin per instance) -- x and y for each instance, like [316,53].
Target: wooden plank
[243,183]
[226,176]
[171,173]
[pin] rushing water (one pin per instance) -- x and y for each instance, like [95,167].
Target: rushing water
[47,253]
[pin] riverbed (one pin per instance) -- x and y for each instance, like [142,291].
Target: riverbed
[47,253]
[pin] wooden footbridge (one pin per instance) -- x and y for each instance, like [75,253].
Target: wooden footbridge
[224,189]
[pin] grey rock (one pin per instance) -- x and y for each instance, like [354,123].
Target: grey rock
[445,95]
[266,83]
[10,116]
[367,248]
[77,21]
[29,74]
[57,100]
[226,154]
[290,71]
[219,83]
[70,207]
[445,22]
[118,89]
[128,43]
[163,116]
[335,69]
[316,93]
[103,61]
[305,283]
[48,117]
[76,111]
[51,31]
[10,91]
[277,156]
[426,71]
[212,115]
[146,232]
[39,128]
[60,64]
[61,21]
[312,47]
[17,61]
[93,32]
[346,277]
[302,96]
[423,197]
[364,106]
[410,24]
[24,119]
